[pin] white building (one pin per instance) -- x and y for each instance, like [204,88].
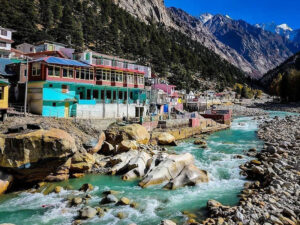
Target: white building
[5,42]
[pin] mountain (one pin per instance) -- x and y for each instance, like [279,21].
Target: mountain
[249,48]
[106,27]
[194,28]
[284,80]
[282,29]
[262,49]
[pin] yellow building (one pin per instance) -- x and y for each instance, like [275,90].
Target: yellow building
[4,86]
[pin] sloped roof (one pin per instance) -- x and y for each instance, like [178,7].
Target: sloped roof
[3,70]
[61,61]
[4,81]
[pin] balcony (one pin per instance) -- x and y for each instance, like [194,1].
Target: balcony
[118,65]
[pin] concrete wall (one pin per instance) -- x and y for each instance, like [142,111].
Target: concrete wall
[100,111]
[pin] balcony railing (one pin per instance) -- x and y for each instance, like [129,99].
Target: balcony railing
[118,64]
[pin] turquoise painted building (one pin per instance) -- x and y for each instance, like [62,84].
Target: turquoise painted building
[68,88]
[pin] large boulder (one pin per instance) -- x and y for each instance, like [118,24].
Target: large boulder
[166,139]
[5,182]
[135,132]
[17,150]
[127,145]
[98,145]
[189,176]
[107,149]
[131,164]
[165,167]
[82,162]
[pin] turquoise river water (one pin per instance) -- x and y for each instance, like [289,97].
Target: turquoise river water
[155,203]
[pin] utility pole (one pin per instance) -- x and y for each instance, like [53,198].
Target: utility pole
[26,88]
[127,102]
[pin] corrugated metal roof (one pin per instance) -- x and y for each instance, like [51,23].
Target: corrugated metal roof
[61,61]
[3,69]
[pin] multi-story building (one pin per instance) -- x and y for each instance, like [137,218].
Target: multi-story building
[61,87]
[5,42]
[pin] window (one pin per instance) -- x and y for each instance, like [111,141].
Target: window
[114,95]
[125,95]
[50,70]
[1,92]
[108,94]
[88,93]
[54,104]
[82,74]
[4,32]
[91,74]
[120,95]
[119,76]
[50,85]
[65,72]
[113,76]
[99,75]
[3,44]
[78,73]
[64,88]
[36,69]
[71,73]
[131,95]
[57,71]
[95,94]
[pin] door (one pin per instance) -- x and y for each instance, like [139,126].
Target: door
[67,109]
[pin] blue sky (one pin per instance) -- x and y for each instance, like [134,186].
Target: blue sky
[252,11]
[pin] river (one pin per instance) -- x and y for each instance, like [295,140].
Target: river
[154,204]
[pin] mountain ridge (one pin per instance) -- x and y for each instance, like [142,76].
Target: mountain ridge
[253,58]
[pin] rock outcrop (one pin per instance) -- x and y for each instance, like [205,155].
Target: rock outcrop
[189,176]
[136,132]
[17,150]
[164,168]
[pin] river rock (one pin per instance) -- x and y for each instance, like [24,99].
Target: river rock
[124,201]
[121,215]
[167,222]
[76,201]
[87,212]
[135,132]
[109,199]
[5,182]
[189,176]
[86,187]
[165,167]
[166,139]
[17,150]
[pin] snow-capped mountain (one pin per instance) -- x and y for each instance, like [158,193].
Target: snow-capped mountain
[205,17]
[282,29]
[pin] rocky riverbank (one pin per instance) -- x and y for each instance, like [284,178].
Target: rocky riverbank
[273,195]
[239,110]
[31,153]
[288,107]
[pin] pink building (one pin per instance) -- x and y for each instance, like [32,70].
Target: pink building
[169,89]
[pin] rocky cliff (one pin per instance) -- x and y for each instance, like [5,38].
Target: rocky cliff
[147,10]
[262,49]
